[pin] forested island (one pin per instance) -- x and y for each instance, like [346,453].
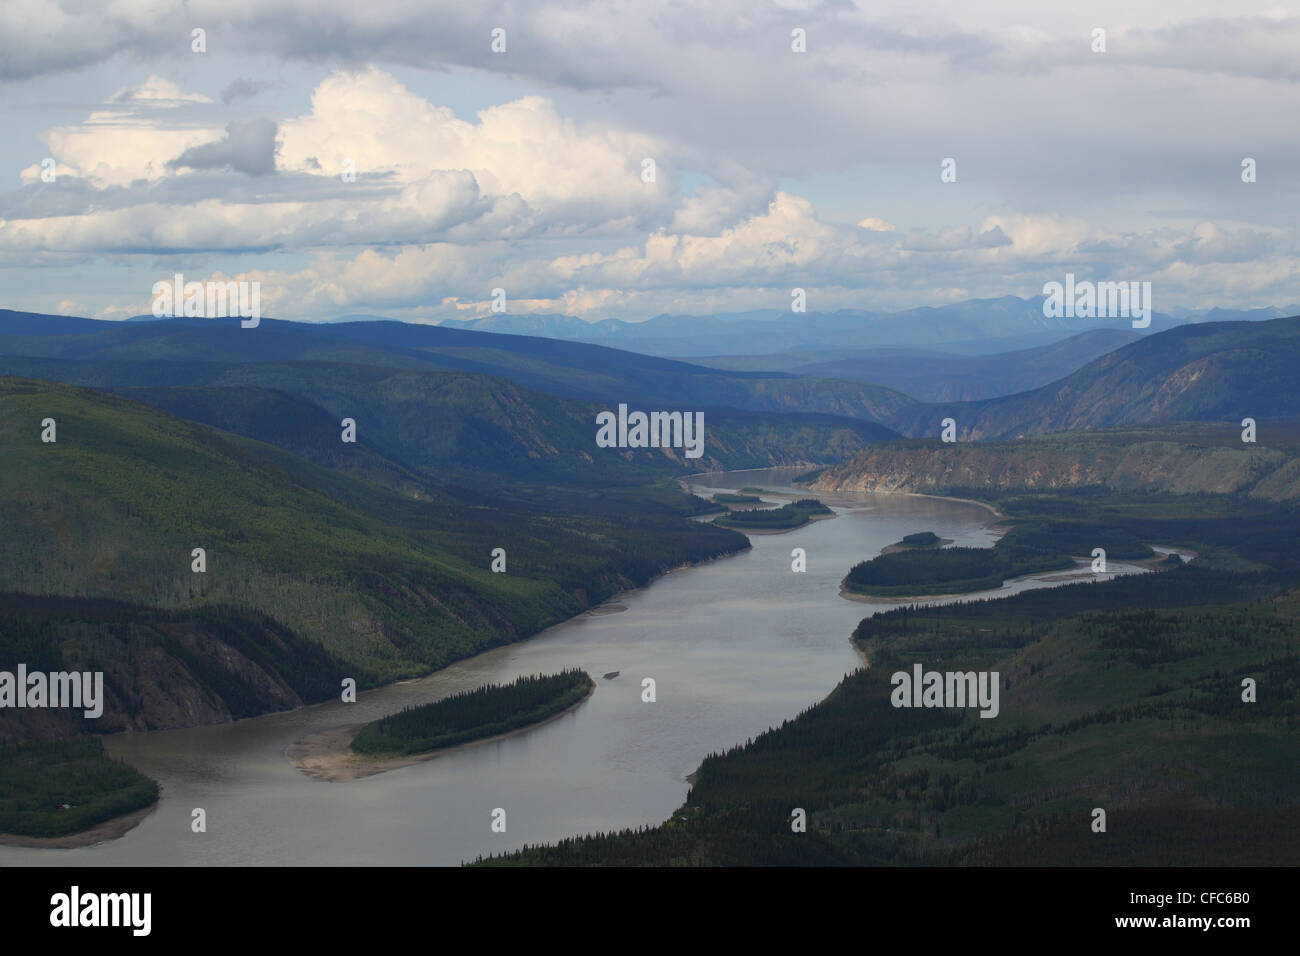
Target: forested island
[428,730]
[922,539]
[915,567]
[471,715]
[727,498]
[794,514]
[52,789]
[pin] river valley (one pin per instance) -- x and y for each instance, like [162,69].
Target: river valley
[734,646]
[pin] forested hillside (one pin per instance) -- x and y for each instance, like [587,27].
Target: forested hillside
[1127,696]
[1212,372]
[357,579]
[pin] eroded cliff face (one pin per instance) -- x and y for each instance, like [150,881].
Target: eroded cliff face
[1145,466]
[159,670]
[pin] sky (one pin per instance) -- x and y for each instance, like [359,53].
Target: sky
[383,158]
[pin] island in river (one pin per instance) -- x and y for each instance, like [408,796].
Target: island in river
[418,733]
[793,514]
[913,542]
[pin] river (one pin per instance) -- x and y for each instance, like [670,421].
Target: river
[734,646]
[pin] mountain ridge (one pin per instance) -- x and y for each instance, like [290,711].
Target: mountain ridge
[1215,371]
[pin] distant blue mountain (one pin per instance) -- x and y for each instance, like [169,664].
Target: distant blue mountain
[555,366]
[973,327]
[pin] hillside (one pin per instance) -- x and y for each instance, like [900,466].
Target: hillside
[1125,695]
[1178,459]
[444,424]
[569,369]
[1216,371]
[162,668]
[390,584]
[935,376]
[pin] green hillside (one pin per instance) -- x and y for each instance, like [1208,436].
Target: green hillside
[392,585]
[446,424]
[1216,371]
[1125,695]
[569,369]
[161,668]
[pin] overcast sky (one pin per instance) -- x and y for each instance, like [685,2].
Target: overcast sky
[523,169]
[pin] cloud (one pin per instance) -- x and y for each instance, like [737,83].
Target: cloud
[131,138]
[245,89]
[247,148]
[1066,156]
[156,91]
[875,224]
[421,174]
[755,263]
[522,147]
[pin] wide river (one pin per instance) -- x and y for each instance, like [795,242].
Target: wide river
[734,646]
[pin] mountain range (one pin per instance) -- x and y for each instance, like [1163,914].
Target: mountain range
[404,377]
[972,327]
[567,369]
[1215,371]
[932,376]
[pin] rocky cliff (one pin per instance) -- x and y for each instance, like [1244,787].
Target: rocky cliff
[1118,461]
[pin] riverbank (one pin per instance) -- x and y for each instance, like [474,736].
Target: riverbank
[1081,571]
[321,755]
[99,833]
[176,773]
[941,543]
[810,520]
[910,494]
[328,755]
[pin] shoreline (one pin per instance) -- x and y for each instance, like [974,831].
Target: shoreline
[740,471]
[109,829]
[914,494]
[119,826]
[893,548]
[328,756]
[1151,564]
[778,530]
